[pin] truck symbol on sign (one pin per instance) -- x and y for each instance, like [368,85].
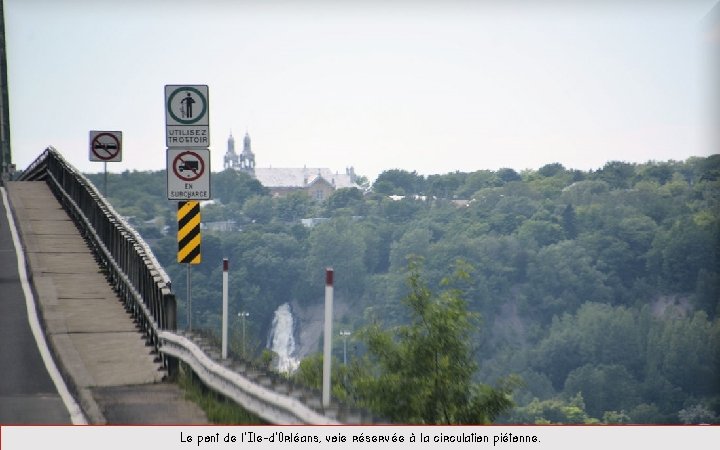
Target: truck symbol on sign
[193,166]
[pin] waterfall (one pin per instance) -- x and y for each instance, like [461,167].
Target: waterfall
[282,339]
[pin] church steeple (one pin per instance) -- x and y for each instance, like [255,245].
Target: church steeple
[246,143]
[231,158]
[247,157]
[231,143]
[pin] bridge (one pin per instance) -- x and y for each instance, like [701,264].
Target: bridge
[88,320]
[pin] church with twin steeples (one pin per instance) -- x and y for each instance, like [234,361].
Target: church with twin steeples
[318,183]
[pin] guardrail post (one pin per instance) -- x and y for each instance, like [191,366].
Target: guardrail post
[327,337]
[170,310]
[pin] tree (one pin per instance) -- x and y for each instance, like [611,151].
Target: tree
[542,232]
[415,242]
[685,351]
[338,244]
[617,174]
[597,333]
[698,414]
[604,388]
[507,175]
[399,182]
[422,372]
[309,373]
[233,186]
[562,277]
[677,255]
[259,209]
[293,206]
[553,410]
[569,222]
[550,170]
[444,186]
[477,180]
[344,198]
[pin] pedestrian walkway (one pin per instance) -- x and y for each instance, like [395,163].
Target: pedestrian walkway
[99,350]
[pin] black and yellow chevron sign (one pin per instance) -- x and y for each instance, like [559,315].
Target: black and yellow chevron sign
[188,217]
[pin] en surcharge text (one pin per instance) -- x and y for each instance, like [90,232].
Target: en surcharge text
[189,195]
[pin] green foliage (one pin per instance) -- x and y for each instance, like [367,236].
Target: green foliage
[584,279]
[338,244]
[294,206]
[686,352]
[554,410]
[218,409]
[423,371]
[309,373]
[259,209]
[399,182]
[231,186]
[349,198]
[562,277]
[617,174]
[507,175]
[698,414]
[603,387]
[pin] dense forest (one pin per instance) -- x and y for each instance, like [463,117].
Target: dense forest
[597,293]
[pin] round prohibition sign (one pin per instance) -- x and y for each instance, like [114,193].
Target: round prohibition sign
[188,166]
[189,120]
[105,149]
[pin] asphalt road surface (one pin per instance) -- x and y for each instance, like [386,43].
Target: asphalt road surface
[27,392]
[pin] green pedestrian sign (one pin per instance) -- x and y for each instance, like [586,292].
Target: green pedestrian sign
[187,122]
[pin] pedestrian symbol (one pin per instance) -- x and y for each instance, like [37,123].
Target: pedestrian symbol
[186,105]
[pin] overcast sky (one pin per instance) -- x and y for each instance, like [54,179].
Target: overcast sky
[431,86]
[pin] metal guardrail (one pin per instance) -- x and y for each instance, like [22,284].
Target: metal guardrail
[132,268]
[264,402]
[145,290]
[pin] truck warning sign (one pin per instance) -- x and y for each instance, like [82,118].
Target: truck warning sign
[188,173]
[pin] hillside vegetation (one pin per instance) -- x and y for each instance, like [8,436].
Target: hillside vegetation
[599,290]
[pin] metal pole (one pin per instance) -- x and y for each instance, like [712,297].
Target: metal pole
[105,180]
[5,154]
[189,300]
[243,315]
[225,309]
[327,338]
[345,334]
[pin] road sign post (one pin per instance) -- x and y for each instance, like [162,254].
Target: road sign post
[105,146]
[187,137]
[188,237]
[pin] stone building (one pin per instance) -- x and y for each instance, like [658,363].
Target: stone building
[318,183]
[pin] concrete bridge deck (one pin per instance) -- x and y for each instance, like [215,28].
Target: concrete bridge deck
[98,349]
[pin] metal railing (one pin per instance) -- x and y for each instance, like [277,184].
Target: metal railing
[131,267]
[145,290]
[264,401]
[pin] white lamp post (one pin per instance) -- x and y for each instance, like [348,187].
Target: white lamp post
[345,334]
[243,315]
